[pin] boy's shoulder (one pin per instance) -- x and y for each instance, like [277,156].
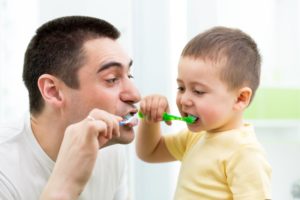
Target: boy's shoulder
[236,139]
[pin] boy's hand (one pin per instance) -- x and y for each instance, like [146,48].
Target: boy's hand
[153,107]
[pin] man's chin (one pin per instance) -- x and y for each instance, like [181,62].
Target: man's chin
[126,137]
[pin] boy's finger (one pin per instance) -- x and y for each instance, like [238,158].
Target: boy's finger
[169,123]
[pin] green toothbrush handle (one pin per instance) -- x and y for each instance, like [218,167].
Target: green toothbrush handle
[140,115]
[166,117]
[169,117]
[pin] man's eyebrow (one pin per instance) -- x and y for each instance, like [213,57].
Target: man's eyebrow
[113,64]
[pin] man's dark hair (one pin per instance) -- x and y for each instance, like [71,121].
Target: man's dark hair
[236,51]
[57,49]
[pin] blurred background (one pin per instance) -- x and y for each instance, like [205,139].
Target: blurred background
[154,33]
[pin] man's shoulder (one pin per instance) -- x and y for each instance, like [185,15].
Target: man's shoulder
[12,141]
[10,129]
[10,163]
[20,162]
[10,149]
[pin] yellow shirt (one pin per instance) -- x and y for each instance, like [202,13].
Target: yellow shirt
[226,165]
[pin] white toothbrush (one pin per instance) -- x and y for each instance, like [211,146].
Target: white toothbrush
[129,121]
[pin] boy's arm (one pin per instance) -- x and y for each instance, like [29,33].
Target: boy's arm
[150,146]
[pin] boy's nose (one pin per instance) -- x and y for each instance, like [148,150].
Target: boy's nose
[185,99]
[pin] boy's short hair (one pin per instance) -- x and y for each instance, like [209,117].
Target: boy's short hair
[57,49]
[236,51]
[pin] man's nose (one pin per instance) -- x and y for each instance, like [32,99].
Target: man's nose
[130,92]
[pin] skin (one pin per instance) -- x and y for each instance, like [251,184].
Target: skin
[106,93]
[201,93]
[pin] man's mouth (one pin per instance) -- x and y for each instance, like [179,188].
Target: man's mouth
[129,120]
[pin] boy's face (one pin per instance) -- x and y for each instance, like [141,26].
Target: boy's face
[201,93]
[105,83]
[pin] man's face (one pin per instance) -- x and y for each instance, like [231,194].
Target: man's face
[105,83]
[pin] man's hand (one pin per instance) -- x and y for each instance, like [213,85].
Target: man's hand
[78,153]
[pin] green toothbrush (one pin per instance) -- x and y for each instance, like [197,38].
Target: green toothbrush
[168,117]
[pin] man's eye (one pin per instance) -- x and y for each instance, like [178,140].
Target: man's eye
[130,76]
[112,80]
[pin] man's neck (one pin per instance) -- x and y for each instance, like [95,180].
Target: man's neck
[48,133]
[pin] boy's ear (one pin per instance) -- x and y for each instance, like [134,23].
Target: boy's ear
[50,90]
[243,98]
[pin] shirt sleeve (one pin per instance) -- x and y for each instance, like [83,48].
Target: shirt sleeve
[249,174]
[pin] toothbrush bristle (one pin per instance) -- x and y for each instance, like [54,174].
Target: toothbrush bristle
[133,122]
[129,121]
[191,119]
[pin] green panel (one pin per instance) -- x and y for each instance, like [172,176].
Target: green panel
[274,103]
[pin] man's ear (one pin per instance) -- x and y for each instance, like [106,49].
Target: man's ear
[243,98]
[50,90]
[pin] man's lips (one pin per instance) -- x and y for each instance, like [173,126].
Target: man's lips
[129,120]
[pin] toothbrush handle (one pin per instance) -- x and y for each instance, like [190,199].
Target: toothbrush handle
[140,115]
[166,116]
[169,117]
[122,123]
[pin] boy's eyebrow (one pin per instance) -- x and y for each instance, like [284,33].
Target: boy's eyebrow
[193,83]
[113,64]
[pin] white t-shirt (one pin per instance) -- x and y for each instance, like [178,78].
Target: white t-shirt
[25,168]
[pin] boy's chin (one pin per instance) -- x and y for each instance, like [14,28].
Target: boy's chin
[195,128]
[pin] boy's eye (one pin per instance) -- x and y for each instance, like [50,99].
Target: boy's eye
[180,89]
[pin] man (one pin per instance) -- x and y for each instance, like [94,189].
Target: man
[80,88]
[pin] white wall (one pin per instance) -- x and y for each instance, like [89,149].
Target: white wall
[17,26]
[281,140]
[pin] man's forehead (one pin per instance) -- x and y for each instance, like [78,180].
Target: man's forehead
[106,51]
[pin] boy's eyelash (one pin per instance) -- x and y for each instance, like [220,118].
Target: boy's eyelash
[199,92]
[180,89]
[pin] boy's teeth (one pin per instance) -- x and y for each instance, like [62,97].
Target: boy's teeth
[196,118]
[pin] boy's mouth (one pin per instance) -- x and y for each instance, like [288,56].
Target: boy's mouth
[196,118]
